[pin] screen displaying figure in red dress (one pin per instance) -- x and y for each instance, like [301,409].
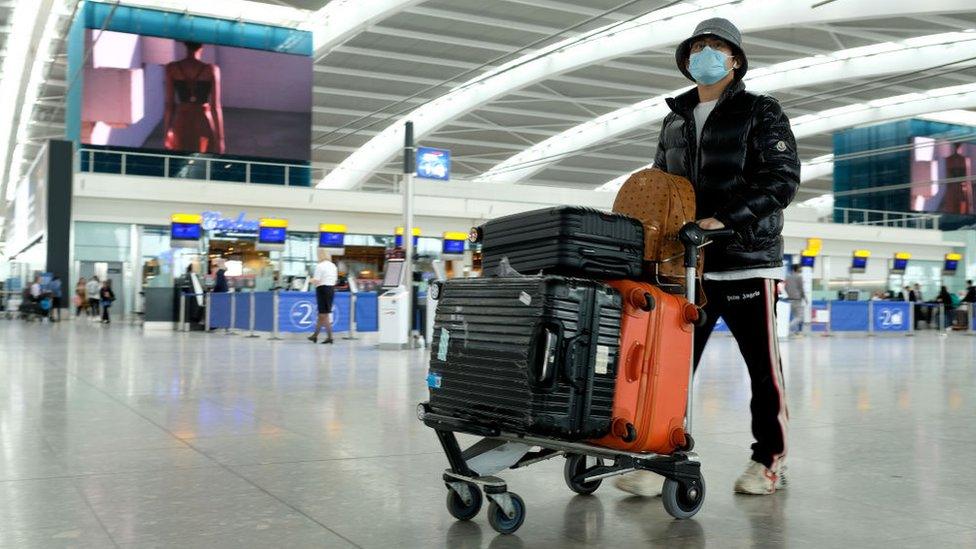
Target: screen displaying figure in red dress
[178,97]
[193,118]
[943,176]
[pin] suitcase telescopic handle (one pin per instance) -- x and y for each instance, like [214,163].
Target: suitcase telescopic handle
[693,237]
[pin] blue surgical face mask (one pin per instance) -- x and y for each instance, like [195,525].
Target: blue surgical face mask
[708,66]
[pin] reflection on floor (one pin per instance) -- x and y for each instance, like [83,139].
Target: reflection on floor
[111,437]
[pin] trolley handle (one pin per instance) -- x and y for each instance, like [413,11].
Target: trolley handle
[694,237]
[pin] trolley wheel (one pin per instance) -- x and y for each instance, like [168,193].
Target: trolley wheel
[464,511]
[689,444]
[648,302]
[683,499]
[576,465]
[702,318]
[501,522]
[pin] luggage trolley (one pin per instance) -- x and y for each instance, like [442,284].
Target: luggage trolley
[472,471]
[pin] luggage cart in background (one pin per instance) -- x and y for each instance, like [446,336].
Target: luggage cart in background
[472,470]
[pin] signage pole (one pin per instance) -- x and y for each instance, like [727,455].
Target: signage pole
[206,311]
[408,173]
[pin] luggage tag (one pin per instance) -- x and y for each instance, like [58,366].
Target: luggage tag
[602,360]
[442,345]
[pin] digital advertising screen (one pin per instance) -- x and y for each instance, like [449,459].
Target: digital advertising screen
[453,247]
[272,235]
[808,261]
[185,231]
[187,97]
[899,265]
[943,176]
[398,241]
[331,240]
[859,263]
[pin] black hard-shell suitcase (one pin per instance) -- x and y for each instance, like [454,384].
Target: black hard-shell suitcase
[531,354]
[564,240]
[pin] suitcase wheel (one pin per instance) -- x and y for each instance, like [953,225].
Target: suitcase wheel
[461,509]
[624,429]
[648,302]
[683,498]
[505,523]
[695,315]
[575,466]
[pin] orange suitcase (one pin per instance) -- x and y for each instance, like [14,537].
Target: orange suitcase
[651,389]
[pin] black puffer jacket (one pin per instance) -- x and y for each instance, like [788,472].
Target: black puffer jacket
[745,173]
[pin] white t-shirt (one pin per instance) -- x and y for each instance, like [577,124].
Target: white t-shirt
[702,110]
[35,290]
[326,274]
[91,288]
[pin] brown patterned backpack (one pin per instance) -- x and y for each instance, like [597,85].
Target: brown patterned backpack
[663,203]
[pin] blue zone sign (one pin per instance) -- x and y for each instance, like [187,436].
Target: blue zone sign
[433,163]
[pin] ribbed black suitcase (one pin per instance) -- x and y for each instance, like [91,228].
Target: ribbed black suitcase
[565,240]
[526,355]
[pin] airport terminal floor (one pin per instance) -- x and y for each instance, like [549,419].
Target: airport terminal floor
[115,438]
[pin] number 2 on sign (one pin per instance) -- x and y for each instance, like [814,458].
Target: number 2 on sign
[302,314]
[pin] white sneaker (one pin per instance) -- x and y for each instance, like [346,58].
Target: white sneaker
[641,483]
[760,480]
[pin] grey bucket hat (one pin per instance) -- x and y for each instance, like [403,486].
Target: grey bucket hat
[719,28]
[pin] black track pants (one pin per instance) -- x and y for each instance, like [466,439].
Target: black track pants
[749,309]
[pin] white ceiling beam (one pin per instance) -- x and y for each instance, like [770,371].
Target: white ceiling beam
[649,31]
[838,66]
[340,20]
[873,112]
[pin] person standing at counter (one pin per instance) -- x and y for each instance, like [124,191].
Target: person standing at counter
[220,277]
[325,277]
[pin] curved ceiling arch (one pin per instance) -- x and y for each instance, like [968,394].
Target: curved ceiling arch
[611,42]
[879,110]
[340,20]
[910,55]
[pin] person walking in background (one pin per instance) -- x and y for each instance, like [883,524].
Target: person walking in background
[81,296]
[35,289]
[325,277]
[106,297]
[794,293]
[948,305]
[56,295]
[92,290]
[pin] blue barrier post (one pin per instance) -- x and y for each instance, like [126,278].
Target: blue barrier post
[233,314]
[206,311]
[182,325]
[275,304]
[352,316]
[870,318]
[250,315]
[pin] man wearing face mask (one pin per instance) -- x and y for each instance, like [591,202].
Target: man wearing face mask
[739,152]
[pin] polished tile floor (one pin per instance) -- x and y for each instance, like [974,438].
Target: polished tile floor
[109,437]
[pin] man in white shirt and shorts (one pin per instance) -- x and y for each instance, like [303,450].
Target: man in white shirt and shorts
[325,278]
